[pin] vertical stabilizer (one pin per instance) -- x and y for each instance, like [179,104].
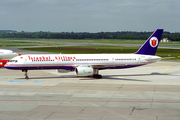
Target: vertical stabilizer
[150,46]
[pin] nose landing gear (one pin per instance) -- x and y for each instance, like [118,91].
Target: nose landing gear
[25,73]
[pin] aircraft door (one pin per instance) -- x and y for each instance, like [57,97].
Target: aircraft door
[58,61]
[25,61]
[113,62]
[139,60]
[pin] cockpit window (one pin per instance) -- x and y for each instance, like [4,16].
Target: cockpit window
[13,61]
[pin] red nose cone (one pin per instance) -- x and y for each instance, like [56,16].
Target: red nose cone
[19,54]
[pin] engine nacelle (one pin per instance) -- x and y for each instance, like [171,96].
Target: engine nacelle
[63,71]
[84,71]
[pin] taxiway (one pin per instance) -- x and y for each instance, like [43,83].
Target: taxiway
[146,92]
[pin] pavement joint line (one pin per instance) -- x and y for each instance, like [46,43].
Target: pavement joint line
[157,117]
[49,116]
[76,93]
[115,93]
[34,108]
[132,110]
[168,102]
[153,95]
[102,116]
[83,110]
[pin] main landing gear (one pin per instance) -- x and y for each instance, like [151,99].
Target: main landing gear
[25,73]
[96,74]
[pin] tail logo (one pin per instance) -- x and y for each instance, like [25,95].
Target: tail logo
[153,42]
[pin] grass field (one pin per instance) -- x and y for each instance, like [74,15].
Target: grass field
[50,42]
[54,46]
[85,49]
[21,43]
[105,49]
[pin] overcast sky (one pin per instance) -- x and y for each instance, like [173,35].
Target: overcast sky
[89,15]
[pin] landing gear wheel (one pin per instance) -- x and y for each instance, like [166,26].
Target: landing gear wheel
[26,75]
[97,76]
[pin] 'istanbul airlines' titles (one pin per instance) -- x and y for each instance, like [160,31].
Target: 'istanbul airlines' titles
[50,57]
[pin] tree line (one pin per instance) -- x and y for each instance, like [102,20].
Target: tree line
[129,35]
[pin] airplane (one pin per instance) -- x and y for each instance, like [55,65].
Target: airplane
[88,64]
[6,55]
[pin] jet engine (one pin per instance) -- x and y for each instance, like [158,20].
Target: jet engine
[84,71]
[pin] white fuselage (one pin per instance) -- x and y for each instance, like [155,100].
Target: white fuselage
[71,61]
[7,54]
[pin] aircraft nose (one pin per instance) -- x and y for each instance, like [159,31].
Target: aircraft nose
[19,54]
[5,65]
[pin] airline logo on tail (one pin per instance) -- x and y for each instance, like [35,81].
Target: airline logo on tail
[153,42]
[150,46]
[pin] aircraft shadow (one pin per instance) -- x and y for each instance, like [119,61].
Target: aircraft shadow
[108,77]
[116,77]
[111,77]
[142,74]
[153,73]
[31,78]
